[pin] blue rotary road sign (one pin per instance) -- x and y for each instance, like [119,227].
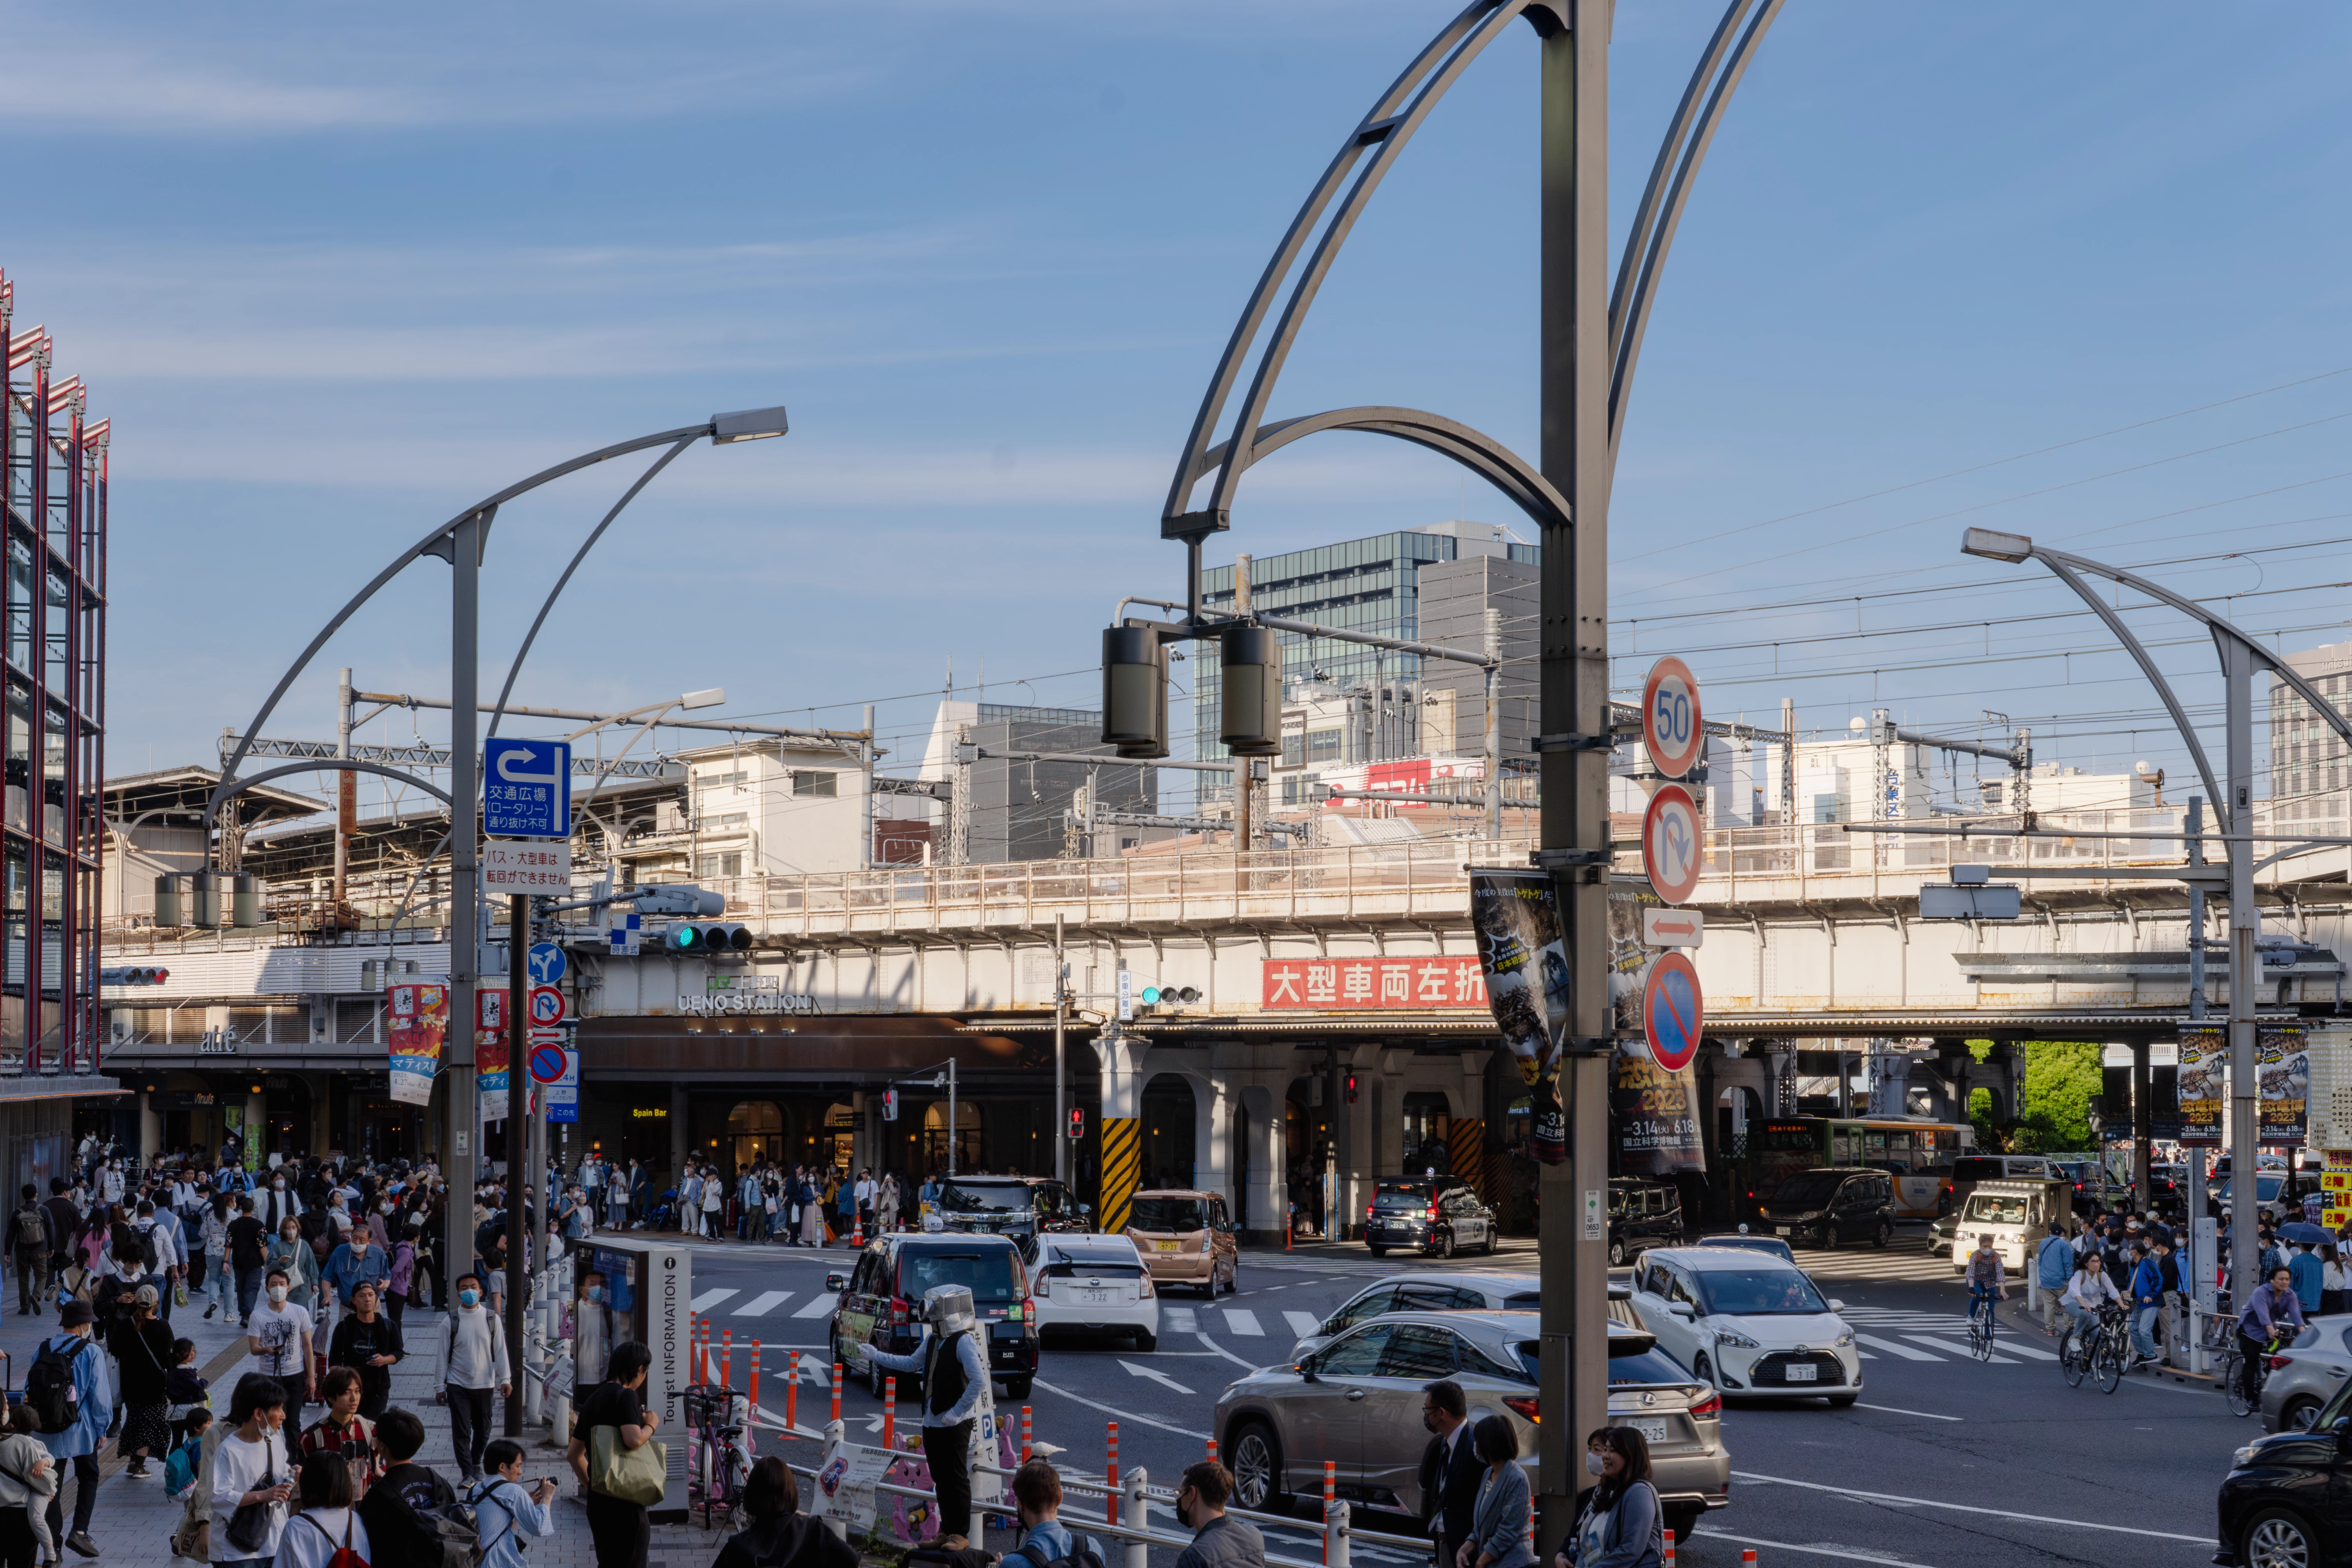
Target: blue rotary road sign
[526,789]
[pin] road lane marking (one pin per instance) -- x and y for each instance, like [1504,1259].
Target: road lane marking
[760,1305]
[818,1308]
[1896,1410]
[2006,1344]
[710,1299]
[1959,1351]
[1857,1555]
[1180,1320]
[1221,1351]
[1303,1323]
[1968,1508]
[1122,1415]
[1890,1348]
[1241,1321]
[1134,1370]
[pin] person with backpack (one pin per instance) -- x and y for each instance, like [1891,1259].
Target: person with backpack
[509,1515]
[473,1361]
[187,1461]
[780,1536]
[407,1510]
[620,1529]
[158,1253]
[66,1389]
[368,1343]
[248,1255]
[142,1348]
[1045,1539]
[342,1430]
[327,1533]
[29,1479]
[252,1477]
[32,1240]
[1618,1524]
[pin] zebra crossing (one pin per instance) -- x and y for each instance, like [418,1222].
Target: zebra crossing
[1895,1265]
[765,1304]
[1884,1332]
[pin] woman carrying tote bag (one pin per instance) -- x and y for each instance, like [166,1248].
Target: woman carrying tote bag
[618,1463]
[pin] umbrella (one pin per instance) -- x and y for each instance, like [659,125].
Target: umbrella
[2302,1233]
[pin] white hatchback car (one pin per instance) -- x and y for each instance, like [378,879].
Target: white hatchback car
[1096,1283]
[1747,1323]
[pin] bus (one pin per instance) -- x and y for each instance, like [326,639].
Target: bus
[1916,1151]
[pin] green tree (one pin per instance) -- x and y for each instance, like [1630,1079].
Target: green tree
[2054,1103]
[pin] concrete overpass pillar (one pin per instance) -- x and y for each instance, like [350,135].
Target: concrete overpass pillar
[1121,1056]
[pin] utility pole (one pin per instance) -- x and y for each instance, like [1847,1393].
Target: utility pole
[347,786]
[1493,723]
[2245,973]
[2196,910]
[1244,768]
[518,1141]
[1061,1071]
[464,1124]
[1574,456]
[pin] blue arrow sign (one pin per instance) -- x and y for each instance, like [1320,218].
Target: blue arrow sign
[547,963]
[526,789]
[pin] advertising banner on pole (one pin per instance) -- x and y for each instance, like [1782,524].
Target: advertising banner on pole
[1657,1114]
[2283,1067]
[2204,1054]
[1516,913]
[416,1023]
[2336,1190]
[490,1054]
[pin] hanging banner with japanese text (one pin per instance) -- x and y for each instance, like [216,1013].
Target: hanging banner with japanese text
[2282,1066]
[2204,1054]
[1355,983]
[1515,914]
[1657,1113]
[491,1053]
[416,1021]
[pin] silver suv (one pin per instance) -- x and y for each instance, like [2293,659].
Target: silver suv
[1356,1402]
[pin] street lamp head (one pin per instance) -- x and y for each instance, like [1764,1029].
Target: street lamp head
[709,697]
[1995,545]
[749,424]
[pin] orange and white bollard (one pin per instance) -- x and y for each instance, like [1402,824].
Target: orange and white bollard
[792,1391]
[1331,1496]
[727,1358]
[1746,1555]
[890,1415]
[1024,1434]
[754,1389]
[1213,1450]
[836,1391]
[1669,1559]
[1110,1477]
[696,1361]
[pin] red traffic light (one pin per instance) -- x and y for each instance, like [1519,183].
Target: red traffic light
[1078,1122]
[1351,1088]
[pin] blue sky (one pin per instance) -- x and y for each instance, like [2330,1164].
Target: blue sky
[334,273]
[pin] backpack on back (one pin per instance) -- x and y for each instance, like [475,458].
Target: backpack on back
[440,1535]
[342,1555]
[1084,1554]
[32,1227]
[49,1392]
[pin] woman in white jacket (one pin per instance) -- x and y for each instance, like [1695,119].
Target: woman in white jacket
[2086,1292]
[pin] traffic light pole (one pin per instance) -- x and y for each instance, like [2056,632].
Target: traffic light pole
[1061,1067]
[462,1132]
[518,1165]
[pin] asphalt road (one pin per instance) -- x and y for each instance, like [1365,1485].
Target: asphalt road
[1945,1462]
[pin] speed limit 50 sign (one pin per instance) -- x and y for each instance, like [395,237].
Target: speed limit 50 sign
[1670,718]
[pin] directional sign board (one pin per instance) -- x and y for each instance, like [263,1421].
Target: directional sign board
[546,1006]
[547,963]
[1670,718]
[1673,1011]
[532,866]
[1670,844]
[560,1094]
[526,788]
[1673,928]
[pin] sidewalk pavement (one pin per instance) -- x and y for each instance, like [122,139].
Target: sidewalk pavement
[134,1520]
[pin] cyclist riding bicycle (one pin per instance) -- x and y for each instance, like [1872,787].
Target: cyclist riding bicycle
[2260,1327]
[2089,1293]
[1987,1278]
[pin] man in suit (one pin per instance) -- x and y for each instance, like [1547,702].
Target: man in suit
[1449,1470]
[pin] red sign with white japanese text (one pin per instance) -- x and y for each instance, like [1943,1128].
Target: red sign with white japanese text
[1372,984]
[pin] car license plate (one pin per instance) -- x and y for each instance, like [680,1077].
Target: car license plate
[1095,1298]
[1802,1371]
[1651,1431]
[1788,1231]
[1167,1245]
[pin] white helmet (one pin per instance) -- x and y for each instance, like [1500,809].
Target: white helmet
[949,1308]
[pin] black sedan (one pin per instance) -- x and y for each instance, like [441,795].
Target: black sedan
[2284,1503]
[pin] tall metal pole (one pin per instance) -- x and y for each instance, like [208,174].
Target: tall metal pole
[1061,1071]
[1573,283]
[465,1126]
[2245,978]
[1493,723]
[2196,919]
[346,788]
[1244,768]
[952,1129]
[518,1140]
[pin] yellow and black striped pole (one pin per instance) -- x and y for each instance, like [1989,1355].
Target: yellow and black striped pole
[1122,1168]
[1465,1150]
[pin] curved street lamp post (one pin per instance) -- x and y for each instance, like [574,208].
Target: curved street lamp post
[1589,335]
[2240,656]
[461,541]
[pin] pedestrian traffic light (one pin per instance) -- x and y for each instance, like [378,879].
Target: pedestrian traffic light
[1078,1123]
[889,1105]
[1351,1088]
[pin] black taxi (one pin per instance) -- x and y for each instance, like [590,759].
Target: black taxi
[881,1304]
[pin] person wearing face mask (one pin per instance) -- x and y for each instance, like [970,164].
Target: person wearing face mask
[251,1467]
[1449,1468]
[93,1414]
[289,1253]
[473,1363]
[1618,1524]
[1219,1540]
[355,1263]
[592,1314]
[278,1204]
[401,1276]
[1501,1532]
[279,1334]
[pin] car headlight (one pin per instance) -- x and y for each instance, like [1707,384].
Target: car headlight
[1844,1341]
[2243,1458]
[1736,1340]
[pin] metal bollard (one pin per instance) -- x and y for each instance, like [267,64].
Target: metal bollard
[890,1416]
[1110,1477]
[1330,1498]
[1336,1529]
[1024,1434]
[1139,1512]
[559,1405]
[836,1393]
[793,1392]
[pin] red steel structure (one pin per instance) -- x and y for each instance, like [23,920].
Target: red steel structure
[53,477]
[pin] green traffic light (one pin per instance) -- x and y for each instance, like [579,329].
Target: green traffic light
[688,936]
[1150,995]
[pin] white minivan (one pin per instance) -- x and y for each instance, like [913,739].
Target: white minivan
[2016,1214]
[1746,1323]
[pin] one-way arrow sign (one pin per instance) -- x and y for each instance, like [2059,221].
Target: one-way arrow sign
[1155,1375]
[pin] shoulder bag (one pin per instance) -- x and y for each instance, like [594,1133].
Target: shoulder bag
[249,1527]
[632,1475]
